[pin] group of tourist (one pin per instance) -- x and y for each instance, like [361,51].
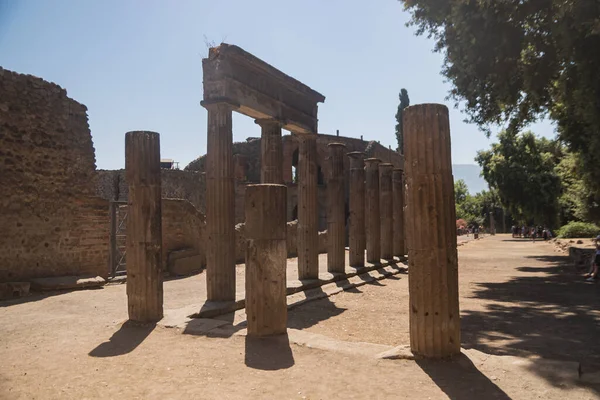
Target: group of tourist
[592,274]
[532,232]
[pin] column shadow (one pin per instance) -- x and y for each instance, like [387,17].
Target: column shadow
[269,353]
[129,336]
[460,379]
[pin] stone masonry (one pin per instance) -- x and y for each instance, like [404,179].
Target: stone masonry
[51,222]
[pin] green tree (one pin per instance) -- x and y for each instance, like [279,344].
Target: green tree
[404,102]
[461,191]
[516,61]
[521,167]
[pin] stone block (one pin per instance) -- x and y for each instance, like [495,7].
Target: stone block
[11,290]
[67,283]
[185,262]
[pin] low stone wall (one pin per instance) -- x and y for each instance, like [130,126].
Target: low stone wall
[55,240]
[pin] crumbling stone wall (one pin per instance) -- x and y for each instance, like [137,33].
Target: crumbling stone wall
[176,184]
[51,224]
[183,227]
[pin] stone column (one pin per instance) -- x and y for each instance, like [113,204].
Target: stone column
[271,150]
[373,231]
[266,259]
[386,211]
[398,200]
[357,237]
[144,228]
[308,250]
[431,221]
[220,204]
[336,210]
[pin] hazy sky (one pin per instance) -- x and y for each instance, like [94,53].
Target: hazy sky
[137,65]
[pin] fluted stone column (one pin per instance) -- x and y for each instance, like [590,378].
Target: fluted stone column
[372,221]
[386,210]
[357,237]
[308,251]
[266,259]
[336,212]
[144,227]
[398,196]
[431,221]
[271,150]
[220,204]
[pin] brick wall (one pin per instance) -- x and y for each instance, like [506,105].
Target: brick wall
[51,224]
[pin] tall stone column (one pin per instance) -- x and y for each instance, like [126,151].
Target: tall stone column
[144,227]
[357,238]
[220,204]
[266,259]
[336,210]
[431,221]
[372,221]
[398,219]
[386,211]
[308,251]
[271,150]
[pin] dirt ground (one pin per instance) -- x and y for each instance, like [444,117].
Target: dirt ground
[530,327]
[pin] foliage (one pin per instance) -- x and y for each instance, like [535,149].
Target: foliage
[461,223]
[516,61]
[404,102]
[475,209]
[576,229]
[461,191]
[521,168]
[577,201]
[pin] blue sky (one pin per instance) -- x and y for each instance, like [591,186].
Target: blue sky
[137,65]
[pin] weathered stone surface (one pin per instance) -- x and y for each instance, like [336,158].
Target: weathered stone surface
[185,262]
[51,224]
[308,260]
[144,227]
[402,352]
[581,255]
[259,90]
[11,290]
[431,223]
[336,214]
[66,282]
[372,219]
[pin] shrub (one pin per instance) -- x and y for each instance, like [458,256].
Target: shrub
[578,230]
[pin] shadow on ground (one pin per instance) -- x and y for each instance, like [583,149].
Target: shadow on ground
[460,379]
[269,353]
[129,336]
[549,312]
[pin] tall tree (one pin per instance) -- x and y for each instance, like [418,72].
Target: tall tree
[404,102]
[521,167]
[516,61]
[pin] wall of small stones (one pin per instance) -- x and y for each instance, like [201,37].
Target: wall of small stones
[51,222]
[183,227]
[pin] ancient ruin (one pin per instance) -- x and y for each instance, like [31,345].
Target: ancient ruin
[257,202]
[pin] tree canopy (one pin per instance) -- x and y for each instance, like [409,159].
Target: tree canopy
[516,61]
[404,102]
[521,167]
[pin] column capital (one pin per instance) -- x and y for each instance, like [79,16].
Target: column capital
[220,102]
[263,122]
[336,144]
[305,136]
[356,154]
[372,161]
[386,166]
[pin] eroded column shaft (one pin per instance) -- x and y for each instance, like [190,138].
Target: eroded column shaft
[372,220]
[398,200]
[308,252]
[357,237]
[336,213]
[144,229]
[266,259]
[386,210]
[431,221]
[271,149]
[220,205]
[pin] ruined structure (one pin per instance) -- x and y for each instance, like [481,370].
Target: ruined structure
[235,80]
[430,219]
[52,224]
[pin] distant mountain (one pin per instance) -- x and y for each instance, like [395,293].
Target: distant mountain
[470,174]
